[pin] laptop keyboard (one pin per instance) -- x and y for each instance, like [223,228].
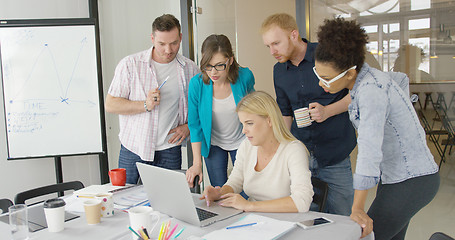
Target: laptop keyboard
[204,214]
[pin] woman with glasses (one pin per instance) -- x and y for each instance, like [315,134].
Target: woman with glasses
[213,95]
[392,148]
[271,166]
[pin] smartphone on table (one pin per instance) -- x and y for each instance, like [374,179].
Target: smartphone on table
[321,221]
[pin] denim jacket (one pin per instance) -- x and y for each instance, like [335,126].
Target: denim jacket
[391,142]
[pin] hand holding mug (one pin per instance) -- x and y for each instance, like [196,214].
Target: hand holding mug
[317,112]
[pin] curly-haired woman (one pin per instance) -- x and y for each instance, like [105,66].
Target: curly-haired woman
[392,149]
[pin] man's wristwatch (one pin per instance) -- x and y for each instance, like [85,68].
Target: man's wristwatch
[145,106]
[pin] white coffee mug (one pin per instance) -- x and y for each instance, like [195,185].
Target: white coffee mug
[107,204]
[142,216]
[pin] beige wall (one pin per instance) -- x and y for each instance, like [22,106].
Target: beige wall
[251,50]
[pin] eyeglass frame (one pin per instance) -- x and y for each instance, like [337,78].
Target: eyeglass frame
[327,83]
[224,65]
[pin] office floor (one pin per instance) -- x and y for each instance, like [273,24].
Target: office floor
[439,215]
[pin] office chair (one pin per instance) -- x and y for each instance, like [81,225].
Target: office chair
[440,236]
[5,204]
[41,191]
[320,189]
[196,187]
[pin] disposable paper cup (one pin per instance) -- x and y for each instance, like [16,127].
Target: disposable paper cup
[92,211]
[54,210]
[107,204]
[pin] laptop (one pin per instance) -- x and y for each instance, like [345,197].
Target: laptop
[169,193]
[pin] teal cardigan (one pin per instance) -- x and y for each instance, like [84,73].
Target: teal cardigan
[200,97]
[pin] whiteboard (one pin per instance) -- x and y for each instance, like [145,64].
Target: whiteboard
[50,90]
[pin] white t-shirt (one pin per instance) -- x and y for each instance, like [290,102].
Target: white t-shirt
[169,102]
[226,129]
[287,174]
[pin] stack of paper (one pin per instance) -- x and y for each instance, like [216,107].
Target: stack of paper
[127,201]
[92,190]
[266,228]
[123,197]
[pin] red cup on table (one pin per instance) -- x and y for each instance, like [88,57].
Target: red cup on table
[118,176]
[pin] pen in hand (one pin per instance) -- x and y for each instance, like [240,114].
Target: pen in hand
[243,225]
[163,83]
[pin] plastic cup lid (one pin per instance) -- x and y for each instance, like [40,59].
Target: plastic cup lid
[54,203]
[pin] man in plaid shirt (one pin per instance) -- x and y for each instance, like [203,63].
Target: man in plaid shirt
[149,91]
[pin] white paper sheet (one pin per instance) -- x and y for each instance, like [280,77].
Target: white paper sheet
[266,228]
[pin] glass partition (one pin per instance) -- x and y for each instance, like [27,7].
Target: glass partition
[213,17]
[414,37]
[407,36]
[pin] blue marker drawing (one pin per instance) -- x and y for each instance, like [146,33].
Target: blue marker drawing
[47,52]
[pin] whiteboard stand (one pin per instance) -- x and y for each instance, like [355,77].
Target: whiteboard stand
[58,172]
[53,91]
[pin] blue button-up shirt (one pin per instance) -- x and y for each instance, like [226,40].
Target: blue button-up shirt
[331,141]
[392,143]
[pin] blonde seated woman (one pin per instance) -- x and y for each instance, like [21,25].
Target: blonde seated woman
[271,166]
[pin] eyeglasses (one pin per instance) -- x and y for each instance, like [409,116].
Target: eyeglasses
[218,67]
[328,82]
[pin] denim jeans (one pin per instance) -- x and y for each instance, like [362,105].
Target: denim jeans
[170,158]
[217,163]
[339,179]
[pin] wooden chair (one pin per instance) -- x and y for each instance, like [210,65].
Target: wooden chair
[5,204]
[41,191]
[320,189]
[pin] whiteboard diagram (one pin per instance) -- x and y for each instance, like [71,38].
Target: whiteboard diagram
[50,90]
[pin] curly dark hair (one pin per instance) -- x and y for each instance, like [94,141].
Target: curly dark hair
[341,43]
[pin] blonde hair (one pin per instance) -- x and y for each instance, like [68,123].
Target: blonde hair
[281,20]
[262,104]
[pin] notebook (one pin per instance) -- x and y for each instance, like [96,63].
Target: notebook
[264,228]
[168,193]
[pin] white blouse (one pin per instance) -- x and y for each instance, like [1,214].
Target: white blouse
[287,174]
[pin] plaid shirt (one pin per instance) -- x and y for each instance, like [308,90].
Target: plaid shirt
[134,77]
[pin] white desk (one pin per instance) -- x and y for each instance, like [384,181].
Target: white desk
[116,228]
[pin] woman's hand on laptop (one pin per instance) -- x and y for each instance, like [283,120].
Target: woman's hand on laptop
[236,201]
[211,194]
